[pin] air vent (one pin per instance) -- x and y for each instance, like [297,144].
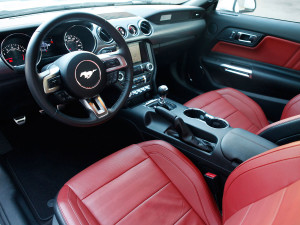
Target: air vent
[105,36]
[145,27]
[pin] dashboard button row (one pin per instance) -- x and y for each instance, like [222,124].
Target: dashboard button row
[140,90]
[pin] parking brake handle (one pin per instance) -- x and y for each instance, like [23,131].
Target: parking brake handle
[185,133]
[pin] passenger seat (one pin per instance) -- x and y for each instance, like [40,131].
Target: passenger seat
[240,110]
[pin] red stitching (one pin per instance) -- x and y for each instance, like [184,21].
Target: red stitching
[183,159]
[159,190]
[114,179]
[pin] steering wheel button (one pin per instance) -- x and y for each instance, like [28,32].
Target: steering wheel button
[112,77]
[116,62]
[53,82]
[112,63]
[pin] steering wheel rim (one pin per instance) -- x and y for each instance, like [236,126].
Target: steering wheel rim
[33,77]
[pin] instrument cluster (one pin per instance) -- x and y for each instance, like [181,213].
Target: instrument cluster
[74,38]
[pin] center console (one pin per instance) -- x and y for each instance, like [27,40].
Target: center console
[209,141]
[144,69]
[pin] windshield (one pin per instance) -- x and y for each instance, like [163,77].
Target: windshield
[9,8]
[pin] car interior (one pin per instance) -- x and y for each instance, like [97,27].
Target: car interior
[148,112]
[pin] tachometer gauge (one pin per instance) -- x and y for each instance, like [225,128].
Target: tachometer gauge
[13,50]
[79,38]
[14,54]
[73,43]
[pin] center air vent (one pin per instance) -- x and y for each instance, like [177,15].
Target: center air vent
[104,35]
[145,27]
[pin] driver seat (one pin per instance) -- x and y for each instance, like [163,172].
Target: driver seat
[154,183]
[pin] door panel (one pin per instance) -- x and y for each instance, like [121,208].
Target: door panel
[263,60]
[270,50]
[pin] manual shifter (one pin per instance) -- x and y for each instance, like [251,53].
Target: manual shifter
[162,92]
[161,101]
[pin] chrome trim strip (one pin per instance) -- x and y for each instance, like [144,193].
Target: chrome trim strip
[100,110]
[48,74]
[237,70]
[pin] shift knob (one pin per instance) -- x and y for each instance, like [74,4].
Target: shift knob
[163,91]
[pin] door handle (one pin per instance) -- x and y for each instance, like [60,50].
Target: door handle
[246,38]
[237,70]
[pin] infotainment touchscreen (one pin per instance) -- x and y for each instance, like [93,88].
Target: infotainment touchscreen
[135,52]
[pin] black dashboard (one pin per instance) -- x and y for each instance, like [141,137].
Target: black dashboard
[149,30]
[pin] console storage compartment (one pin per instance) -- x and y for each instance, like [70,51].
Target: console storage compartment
[239,145]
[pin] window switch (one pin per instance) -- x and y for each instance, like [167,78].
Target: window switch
[232,35]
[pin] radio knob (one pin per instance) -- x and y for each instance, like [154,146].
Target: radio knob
[149,67]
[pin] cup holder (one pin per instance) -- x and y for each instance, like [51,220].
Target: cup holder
[195,113]
[217,123]
[208,119]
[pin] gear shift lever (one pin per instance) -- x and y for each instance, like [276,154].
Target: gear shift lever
[162,91]
[185,133]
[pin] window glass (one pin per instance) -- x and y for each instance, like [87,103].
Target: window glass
[276,9]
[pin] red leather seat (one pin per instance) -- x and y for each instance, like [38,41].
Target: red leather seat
[240,110]
[154,183]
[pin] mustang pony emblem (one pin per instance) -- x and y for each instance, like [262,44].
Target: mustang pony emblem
[87,74]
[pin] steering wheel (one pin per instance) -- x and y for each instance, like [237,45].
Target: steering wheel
[82,75]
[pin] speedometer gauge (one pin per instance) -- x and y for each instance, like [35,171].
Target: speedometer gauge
[79,38]
[14,54]
[73,43]
[13,50]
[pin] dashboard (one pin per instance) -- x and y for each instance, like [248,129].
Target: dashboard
[154,33]
[68,38]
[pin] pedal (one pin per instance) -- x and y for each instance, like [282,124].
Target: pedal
[21,120]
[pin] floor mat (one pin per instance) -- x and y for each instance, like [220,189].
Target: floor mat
[46,156]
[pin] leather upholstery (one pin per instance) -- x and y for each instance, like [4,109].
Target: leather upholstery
[265,189]
[148,183]
[235,107]
[241,111]
[153,183]
[292,108]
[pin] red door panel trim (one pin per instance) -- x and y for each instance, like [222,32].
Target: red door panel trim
[270,50]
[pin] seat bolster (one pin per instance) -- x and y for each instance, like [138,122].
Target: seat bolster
[292,108]
[283,131]
[260,177]
[202,100]
[65,212]
[186,177]
[246,105]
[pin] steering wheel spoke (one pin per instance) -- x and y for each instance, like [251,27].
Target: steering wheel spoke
[113,61]
[51,80]
[95,106]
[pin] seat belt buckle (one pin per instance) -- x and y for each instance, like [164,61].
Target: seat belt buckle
[213,183]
